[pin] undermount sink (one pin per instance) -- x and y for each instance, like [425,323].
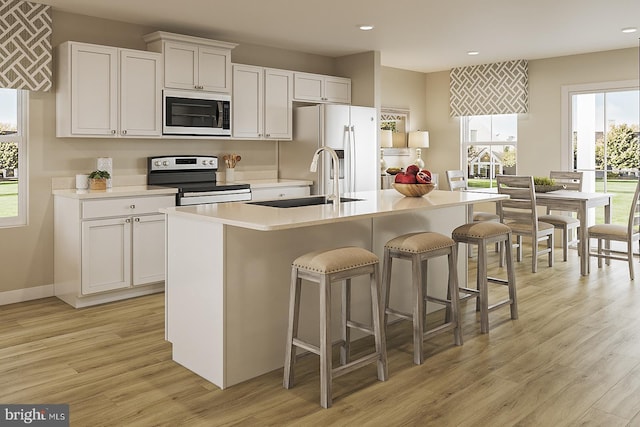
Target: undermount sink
[302,201]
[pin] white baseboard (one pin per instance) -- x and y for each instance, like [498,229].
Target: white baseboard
[26,294]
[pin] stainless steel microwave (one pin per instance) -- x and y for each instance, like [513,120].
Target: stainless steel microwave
[196,113]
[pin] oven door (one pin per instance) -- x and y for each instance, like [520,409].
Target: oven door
[196,113]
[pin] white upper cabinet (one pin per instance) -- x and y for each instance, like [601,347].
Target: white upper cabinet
[319,88]
[140,93]
[193,63]
[262,102]
[104,91]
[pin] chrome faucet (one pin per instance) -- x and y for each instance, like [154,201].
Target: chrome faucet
[335,196]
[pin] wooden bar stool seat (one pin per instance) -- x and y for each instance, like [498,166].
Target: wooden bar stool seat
[481,234]
[419,248]
[324,268]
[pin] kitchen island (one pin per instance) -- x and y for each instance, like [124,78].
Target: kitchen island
[229,264]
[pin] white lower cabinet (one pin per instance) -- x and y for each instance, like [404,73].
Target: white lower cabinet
[108,249]
[106,254]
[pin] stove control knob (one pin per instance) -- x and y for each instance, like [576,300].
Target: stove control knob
[165,163]
[157,163]
[211,162]
[204,162]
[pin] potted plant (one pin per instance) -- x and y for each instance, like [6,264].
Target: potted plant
[98,180]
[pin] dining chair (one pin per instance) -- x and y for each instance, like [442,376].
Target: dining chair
[563,221]
[457,182]
[622,233]
[520,214]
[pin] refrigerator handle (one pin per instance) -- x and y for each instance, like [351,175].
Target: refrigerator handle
[352,158]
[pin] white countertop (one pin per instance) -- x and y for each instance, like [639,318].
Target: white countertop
[124,191]
[375,203]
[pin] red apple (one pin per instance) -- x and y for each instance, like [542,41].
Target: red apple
[405,178]
[412,170]
[423,178]
[427,172]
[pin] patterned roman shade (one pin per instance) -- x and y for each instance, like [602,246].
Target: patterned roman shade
[25,45]
[499,88]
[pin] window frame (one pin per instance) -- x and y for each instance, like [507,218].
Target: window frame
[21,138]
[465,143]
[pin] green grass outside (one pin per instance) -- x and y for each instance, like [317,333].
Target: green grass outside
[8,199]
[622,189]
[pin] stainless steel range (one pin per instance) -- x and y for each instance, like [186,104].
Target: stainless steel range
[195,179]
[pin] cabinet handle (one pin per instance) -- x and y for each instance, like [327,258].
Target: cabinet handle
[127,220]
[113,132]
[137,220]
[132,206]
[124,132]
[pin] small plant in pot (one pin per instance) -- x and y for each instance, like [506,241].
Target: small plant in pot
[98,180]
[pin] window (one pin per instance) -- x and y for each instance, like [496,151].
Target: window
[13,157]
[489,147]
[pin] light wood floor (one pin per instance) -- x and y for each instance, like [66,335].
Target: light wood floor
[573,358]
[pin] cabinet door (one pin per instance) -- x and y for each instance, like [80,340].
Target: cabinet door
[94,89]
[307,87]
[148,249]
[106,255]
[337,89]
[247,101]
[278,95]
[140,93]
[180,66]
[214,69]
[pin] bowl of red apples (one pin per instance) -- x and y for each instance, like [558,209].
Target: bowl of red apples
[413,182]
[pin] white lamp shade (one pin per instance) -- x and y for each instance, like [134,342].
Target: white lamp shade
[386,138]
[419,138]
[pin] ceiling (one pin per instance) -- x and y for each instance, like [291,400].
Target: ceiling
[419,35]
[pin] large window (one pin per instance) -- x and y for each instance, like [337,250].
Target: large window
[13,157]
[489,147]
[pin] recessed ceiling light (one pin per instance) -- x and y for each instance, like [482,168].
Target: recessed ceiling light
[629,30]
[473,52]
[366,27]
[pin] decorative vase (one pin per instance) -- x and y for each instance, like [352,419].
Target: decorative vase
[97,183]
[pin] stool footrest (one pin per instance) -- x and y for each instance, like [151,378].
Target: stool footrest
[438,300]
[498,281]
[438,329]
[307,346]
[351,366]
[360,326]
[499,304]
[400,314]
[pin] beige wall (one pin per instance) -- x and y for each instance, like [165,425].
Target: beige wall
[26,253]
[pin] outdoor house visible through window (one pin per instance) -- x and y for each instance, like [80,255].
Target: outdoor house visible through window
[13,171]
[489,147]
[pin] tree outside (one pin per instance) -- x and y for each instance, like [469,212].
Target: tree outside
[622,150]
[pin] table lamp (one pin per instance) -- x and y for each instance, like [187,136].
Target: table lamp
[386,141]
[419,139]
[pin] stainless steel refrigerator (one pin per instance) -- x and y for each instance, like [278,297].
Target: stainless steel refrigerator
[350,130]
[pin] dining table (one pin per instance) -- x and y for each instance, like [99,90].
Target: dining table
[570,201]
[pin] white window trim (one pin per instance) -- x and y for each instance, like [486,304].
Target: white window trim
[22,139]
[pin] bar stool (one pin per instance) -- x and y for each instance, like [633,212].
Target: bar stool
[419,248]
[324,268]
[482,234]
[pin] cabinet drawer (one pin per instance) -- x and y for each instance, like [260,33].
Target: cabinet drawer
[272,193]
[125,206]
